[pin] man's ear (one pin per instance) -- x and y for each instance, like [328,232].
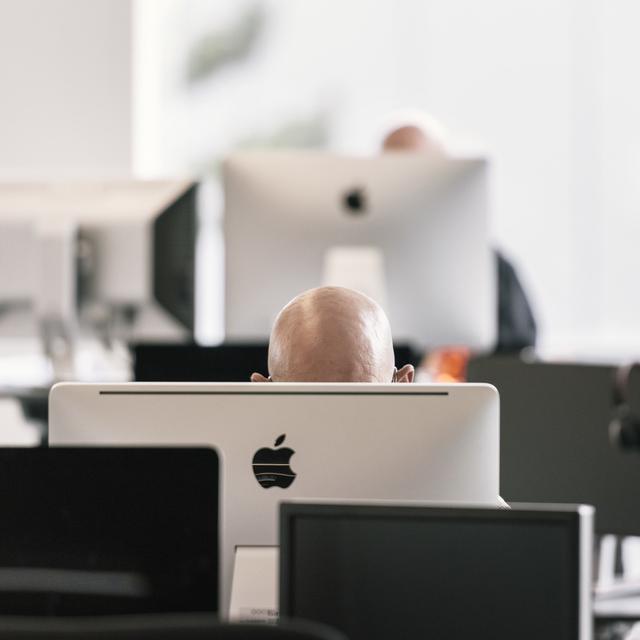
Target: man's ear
[258,377]
[405,374]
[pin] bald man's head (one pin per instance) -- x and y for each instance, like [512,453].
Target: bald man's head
[414,139]
[332,334]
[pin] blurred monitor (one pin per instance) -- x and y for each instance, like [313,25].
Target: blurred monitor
[379,572]
[409,230]
[278,441]
[554,438]
[108,531]
[117,256]
[161,362]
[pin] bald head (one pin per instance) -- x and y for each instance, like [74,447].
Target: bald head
[331,334]
[413,139]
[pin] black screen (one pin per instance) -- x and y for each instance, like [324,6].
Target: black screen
[229,362]
[435,577]
[156,362]
[174,258]
[108,531]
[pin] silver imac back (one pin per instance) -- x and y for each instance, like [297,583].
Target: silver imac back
[434,443]
[409,230]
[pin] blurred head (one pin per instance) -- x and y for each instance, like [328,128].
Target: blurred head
[332,334]
[426,136]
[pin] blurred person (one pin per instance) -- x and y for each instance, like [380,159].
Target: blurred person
[516,325]
[332,334]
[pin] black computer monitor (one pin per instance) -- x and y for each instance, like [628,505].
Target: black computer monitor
[554,438]
[162,362]
[108,531]
[380,572]
[229,362]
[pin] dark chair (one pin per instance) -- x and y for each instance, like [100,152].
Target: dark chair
[157,627]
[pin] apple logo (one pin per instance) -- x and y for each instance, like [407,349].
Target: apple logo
[355,201]
[271,466]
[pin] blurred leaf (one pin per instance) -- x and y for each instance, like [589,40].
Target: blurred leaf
[280,440]
[312,131]
[225,46]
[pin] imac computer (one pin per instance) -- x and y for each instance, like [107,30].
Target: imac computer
[108,531]
[277,441]
[379,572]
[409,230]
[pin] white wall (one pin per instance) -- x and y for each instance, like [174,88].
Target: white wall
[65,88]
[621,171]
[65,107]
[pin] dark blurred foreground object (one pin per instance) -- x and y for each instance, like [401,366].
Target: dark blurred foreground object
[554,438]
[108,531]
[157,627]
[624,429]
[230,362]
[516,324]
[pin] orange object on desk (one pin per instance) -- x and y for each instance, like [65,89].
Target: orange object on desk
[447,364]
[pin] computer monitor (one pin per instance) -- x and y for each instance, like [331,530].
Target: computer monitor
[160,362]
[409,230]
[229,362]
[379,572]
[89,252]
[277,441]
[555,444]
[108,531]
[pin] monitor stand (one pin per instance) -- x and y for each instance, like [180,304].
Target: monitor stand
[254,586]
